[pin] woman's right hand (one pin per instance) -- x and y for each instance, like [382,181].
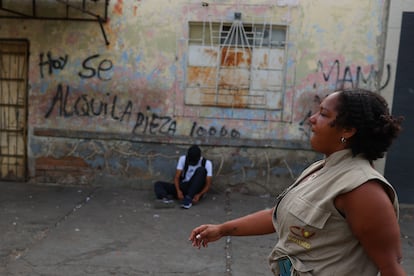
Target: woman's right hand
[258,223]
[203,234]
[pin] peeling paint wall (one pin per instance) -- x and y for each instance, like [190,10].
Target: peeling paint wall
[116,114]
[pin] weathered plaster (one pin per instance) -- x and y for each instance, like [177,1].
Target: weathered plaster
[135,86]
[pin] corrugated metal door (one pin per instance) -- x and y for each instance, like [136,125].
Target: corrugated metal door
[13,109]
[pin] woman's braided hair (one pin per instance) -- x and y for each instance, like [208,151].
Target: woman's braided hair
[369,114]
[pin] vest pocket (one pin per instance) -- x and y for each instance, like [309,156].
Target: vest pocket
[309,213]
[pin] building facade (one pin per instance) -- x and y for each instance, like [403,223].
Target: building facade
[112,92]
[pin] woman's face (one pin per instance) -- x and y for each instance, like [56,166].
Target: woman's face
[326,138]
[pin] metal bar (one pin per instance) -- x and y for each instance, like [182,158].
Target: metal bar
[11,130]
[13,155]
[1,95]
[76,8]
[8,116]
[97,17]
[23,16]
[12,53]
[103,31]
[34,7]
[106,9]
[34,12]
[67,9]
[13,12]
[12,105]
[26,113]
[11,79]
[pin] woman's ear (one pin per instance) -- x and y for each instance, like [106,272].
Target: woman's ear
[349,132]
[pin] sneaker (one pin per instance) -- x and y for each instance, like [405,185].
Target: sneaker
[187,203]
[164,203]
[167,201]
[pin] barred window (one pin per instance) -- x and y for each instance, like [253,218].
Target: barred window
[236,64]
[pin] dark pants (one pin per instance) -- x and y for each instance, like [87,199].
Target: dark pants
[191,188]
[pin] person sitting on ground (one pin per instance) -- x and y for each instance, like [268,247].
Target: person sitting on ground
[340,217]
[193,178]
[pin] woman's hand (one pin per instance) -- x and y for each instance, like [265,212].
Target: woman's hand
[204,234]
[259,223]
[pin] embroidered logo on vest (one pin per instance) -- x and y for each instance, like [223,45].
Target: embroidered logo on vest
[300,236]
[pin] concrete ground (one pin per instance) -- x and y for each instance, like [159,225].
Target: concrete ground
[49,230]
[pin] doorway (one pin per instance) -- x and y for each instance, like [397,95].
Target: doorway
[13,109]
[400,157]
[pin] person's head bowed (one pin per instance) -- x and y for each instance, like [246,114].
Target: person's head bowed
[193,155]
[368,114]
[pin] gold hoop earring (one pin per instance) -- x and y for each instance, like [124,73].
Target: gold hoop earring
[343,140]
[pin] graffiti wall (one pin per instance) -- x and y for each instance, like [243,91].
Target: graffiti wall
[162,75]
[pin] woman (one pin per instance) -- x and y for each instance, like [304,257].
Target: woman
[340,217]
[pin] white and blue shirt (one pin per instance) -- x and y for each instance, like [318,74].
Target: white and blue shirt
[192,169]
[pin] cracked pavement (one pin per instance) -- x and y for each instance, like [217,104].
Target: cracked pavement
[51,230]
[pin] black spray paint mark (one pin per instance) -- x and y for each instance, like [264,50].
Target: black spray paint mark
[341,78]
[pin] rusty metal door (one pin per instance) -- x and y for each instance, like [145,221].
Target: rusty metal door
[13,109]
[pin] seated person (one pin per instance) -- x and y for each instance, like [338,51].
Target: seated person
[192,179]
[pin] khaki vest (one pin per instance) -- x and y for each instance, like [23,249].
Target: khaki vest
[312,233]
